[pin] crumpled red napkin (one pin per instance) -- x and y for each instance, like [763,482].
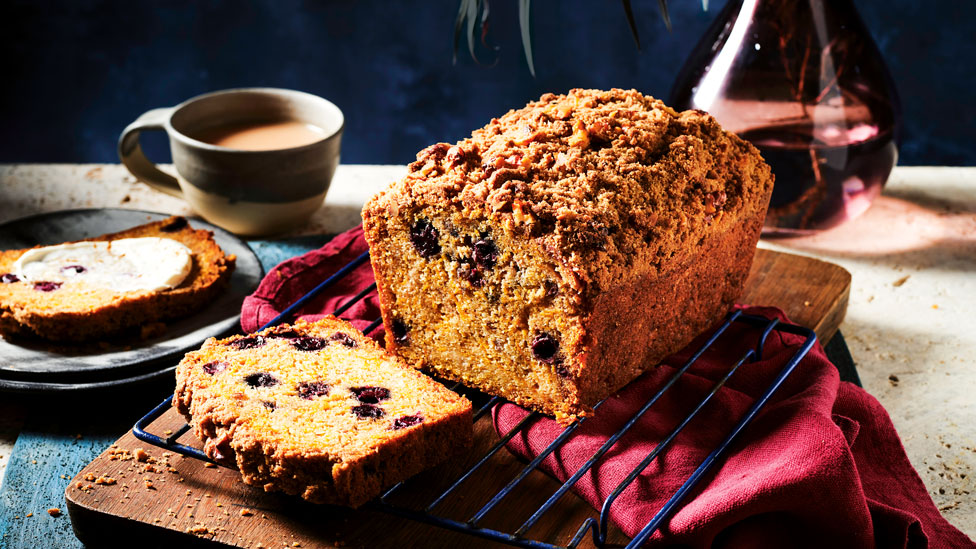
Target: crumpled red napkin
[820,466]
[293,278]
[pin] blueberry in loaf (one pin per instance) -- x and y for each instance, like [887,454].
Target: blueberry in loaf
[318,410]
[99,287]
[566,247]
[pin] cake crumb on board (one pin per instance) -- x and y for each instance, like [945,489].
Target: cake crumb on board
[200,530]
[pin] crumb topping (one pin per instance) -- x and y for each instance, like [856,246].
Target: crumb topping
[605,181]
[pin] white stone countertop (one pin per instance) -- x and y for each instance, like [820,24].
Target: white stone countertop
[910,325]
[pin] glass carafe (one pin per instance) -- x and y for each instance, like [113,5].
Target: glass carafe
[803,81]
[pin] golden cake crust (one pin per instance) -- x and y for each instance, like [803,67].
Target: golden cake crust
[614,225]
[318,410]
[77,312]
[605,181]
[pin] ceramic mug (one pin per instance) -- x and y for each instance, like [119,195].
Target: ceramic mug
[248,192]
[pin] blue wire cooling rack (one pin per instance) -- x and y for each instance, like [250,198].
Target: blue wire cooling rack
[597,526]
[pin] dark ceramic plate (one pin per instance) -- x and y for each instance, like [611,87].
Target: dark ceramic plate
[27,365]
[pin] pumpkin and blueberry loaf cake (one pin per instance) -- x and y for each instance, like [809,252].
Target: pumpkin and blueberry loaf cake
[99,287]
[566,247]
[318,410]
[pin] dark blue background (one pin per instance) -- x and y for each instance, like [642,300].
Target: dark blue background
[76,72]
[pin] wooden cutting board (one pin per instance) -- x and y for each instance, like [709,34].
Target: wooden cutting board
[176,501]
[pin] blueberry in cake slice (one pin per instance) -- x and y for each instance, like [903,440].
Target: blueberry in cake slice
[318,410]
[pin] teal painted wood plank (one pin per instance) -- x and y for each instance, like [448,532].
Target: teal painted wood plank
[49,447]
[33,484]
[273,252]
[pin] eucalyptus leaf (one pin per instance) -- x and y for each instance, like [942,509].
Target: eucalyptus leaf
[663,6]
[524,8]
[472,17]
[468,20]
[458,25]
[485,13]
[629,12]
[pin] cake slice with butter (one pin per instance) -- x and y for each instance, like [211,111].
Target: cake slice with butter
[92,289]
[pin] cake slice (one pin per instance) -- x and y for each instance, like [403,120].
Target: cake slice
[318,410]
[566,247]
[165,270]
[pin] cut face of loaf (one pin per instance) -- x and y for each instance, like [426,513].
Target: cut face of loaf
[481,307]
[567,247]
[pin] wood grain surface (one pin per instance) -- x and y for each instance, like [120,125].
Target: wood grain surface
[170,500]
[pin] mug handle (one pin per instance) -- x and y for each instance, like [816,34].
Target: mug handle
[130,152]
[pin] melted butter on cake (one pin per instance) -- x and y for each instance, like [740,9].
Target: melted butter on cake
[127,265]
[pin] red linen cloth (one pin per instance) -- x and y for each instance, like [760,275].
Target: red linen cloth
[293,278]
[820,466]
